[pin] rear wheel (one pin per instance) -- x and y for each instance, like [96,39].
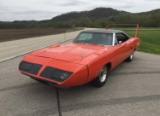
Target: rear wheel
[130,58]
[101,78]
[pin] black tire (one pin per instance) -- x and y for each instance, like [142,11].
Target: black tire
[101,78]
[130,58]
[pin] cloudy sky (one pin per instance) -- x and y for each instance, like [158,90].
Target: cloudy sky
[11,10]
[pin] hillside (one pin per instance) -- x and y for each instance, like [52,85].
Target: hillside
[93,14]
[98,17]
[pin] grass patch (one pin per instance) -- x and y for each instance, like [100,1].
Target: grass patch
[149,39]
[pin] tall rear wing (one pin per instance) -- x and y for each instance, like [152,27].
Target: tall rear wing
[125,25]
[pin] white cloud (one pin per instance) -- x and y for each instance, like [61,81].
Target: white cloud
[46,9]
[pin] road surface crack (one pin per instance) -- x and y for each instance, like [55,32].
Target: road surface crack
[58,102]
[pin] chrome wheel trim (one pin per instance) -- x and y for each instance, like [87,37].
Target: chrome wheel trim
[103,74]
[131,56]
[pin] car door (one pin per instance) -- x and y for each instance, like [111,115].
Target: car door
[123,46]
[118,52]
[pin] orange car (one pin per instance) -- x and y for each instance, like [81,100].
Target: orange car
[88,58]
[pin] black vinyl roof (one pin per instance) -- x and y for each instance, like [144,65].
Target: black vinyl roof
[105,31]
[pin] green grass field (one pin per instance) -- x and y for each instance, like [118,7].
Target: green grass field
[149,39]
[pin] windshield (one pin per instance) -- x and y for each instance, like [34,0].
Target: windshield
[94,38]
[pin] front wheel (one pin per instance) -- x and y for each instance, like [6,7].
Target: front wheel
[101,78]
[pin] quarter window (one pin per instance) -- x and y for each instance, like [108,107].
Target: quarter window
[121,37]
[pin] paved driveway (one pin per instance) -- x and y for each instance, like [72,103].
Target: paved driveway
[132,90]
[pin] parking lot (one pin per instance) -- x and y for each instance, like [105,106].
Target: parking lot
[132,89]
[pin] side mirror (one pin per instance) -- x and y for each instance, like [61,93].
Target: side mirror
[119,42]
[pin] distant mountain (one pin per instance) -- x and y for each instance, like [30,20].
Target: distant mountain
[98,17]
[93,14]
[102,16]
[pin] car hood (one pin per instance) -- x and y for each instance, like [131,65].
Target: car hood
[70,52]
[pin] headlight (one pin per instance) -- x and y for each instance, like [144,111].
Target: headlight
[55,74]
[64,76]
[30,67]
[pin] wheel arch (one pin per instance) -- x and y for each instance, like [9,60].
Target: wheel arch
[109,64]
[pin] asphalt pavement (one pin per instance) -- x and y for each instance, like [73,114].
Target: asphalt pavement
[132,89]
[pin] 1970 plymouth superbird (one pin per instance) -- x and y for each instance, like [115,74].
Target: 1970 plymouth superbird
[88,58]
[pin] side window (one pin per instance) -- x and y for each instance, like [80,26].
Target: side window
[121,37]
